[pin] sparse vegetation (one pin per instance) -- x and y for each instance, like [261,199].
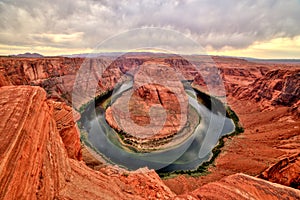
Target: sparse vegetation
[125,174]
[238,127]
[98,99]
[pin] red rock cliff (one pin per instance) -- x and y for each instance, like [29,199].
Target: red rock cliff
[35,163]
[286,172]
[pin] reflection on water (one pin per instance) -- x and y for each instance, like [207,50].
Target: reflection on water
[186,156]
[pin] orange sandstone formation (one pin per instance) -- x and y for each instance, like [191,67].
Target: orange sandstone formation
[66,125]
[40,156]
[155,108]
[34,162]
[285,172]
[242,187]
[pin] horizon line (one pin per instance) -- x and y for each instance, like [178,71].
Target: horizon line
[139,52]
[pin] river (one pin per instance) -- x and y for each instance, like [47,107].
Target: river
[186,156]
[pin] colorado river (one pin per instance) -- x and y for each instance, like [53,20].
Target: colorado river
[187,155]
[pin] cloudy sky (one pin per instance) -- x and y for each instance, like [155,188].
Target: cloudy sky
[254,28]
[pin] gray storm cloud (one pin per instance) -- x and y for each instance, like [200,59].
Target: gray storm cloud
[83,24]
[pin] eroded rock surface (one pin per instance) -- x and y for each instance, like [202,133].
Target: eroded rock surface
[66,119]
[286,172]
[34,162]
[155,108]
[271,130]
[278,87]
[241,186]
[33,158]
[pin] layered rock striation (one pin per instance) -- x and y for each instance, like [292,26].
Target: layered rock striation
[278,87]
[243,187]
[34,161]
[66,118]
[37,163]
[285,172]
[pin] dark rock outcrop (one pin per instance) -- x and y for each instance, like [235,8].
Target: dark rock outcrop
[285,172]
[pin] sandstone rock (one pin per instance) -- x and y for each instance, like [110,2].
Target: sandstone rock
[285,172]
[23,71]
[33,159]
[242,186]
[265,139]
[277,87]
[66,119]
[3,80]
[57,75]
[155,108]
[34,163]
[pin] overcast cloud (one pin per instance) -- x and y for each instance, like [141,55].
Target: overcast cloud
[83,24]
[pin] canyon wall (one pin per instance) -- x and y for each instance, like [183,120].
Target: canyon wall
[35,162]
[286,172]
[40,155]
[268,84]
[279,87]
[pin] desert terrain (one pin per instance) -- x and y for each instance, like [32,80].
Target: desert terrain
[42,156]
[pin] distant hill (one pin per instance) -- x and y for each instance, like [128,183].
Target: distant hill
[93,55]
[28,55]
[272,60]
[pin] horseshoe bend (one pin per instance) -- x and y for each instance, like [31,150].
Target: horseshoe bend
[43,151]
[155,84]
